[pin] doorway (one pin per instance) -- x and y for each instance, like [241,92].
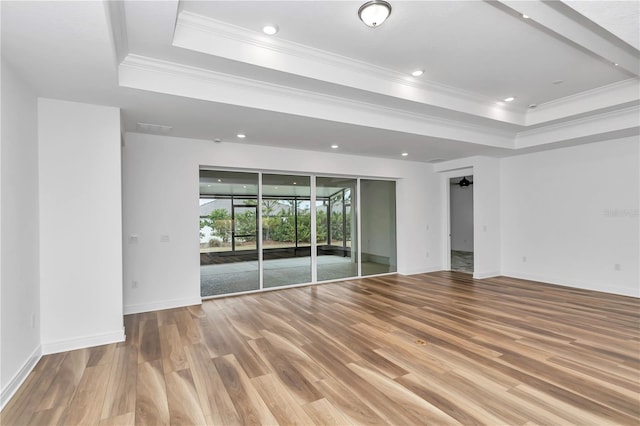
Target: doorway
[461,223]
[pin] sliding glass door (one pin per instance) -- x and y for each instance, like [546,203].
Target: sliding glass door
[228,232]
[378,226]
[286,229]
[256,230]
[336,228]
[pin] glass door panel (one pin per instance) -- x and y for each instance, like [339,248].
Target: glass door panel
[245,226]
[336,228]
[228,232]
[378,216]
[286,221]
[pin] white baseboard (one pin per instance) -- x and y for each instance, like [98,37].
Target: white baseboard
[621,291]
[83,342]
[483,275]
[424,270]
[159,306]
[14,384]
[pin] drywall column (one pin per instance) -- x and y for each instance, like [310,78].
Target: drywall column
[80,225]
[486,217]
[20,312]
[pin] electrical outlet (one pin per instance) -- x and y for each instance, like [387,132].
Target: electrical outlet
[164,238]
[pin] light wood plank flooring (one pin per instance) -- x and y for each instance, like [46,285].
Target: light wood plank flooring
[437,348]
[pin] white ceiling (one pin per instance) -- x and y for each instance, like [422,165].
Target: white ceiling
[472,45]
[206,70]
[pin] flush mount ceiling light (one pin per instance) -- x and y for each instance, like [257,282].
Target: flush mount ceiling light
[373,13]
[241,135]
[334,146]
[417,73]
[509,99]
[270,29]
[404,154]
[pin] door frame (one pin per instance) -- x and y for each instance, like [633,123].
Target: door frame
[446,212]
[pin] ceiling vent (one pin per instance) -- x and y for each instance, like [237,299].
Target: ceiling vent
[154,129]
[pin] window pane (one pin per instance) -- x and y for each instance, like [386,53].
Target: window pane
[228,232]
[378,203]
[336,228]
[286,230]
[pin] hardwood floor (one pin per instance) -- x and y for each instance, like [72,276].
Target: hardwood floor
[435,348]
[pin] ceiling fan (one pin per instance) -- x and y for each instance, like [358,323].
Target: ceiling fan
[464,182]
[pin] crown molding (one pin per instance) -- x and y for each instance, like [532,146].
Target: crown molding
[609,122]
[198,83]
[117,22]
[202,34]
[570,25]
[618,93]
[161,76]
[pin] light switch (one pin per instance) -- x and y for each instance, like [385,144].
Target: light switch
[164,238]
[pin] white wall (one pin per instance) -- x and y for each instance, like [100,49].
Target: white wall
[20,288]
[461,214]
[487,217]
[378,210]
[573,214]
[80,195]
[161,198]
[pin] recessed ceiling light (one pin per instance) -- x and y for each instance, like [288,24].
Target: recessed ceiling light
[295,183]
[270,29]
[525,16]
[615,64]
[219,180]
[244,186]
[241,135]
[417,73]
[334,146]
[275,187]
[208,186]
[404,154]
[509,99]
[557,82]
[533,106]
